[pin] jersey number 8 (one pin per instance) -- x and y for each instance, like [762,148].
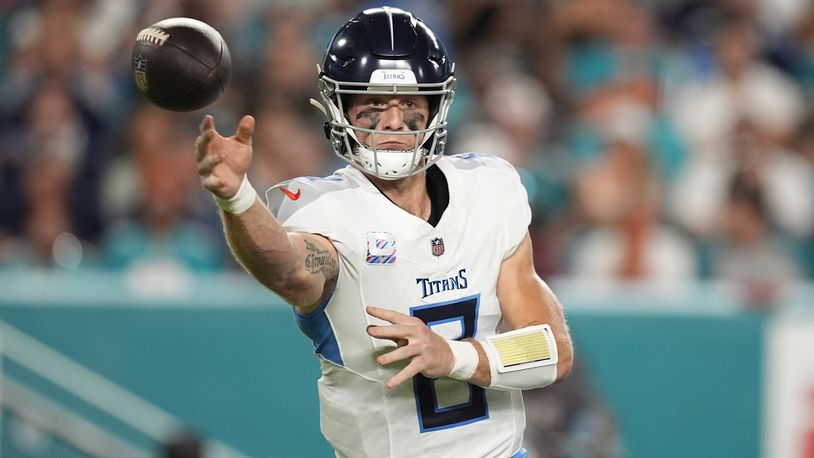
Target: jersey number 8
[431,417]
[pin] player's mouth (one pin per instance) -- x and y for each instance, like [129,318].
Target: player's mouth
[393,145]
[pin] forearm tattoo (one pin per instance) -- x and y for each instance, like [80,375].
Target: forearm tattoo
[318,261]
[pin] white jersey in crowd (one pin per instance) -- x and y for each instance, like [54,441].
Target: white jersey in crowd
[446,275]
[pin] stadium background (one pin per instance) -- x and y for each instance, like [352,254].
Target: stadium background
[668,150]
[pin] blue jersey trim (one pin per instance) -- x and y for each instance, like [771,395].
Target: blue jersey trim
[451,301]
[317,327]
[522,453]
[424,429]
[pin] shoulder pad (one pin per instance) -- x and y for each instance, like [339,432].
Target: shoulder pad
[468,161]
[286,198]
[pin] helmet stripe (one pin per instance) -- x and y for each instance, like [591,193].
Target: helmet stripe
[392,34]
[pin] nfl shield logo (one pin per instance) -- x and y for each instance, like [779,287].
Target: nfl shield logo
[141,81]
[437,246]
[140,73]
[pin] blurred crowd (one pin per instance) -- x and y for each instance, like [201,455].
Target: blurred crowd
[667,141]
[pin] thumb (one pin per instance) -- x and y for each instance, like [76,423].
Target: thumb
[245,130]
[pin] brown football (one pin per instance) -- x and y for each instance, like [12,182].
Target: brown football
[181,64]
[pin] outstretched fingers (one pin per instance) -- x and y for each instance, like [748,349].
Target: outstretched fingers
[398,354]
[388,315]
[412,369]
[203,140]
[213,183]
[208,122]
[390,331]
[206,164]
[398,336]
[415,342]
[245,130]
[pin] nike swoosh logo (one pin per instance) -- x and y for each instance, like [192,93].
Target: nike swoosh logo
[291,195]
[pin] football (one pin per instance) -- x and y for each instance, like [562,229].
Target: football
[181,64]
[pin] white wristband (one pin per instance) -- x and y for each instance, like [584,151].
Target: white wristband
[240,202]
[466,359]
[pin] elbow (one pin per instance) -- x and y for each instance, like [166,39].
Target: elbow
[304,292]
[279,281]
[294,288]
[287,284]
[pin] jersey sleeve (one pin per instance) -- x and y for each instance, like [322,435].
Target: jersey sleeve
[298,206]
[499,187]
[516,211]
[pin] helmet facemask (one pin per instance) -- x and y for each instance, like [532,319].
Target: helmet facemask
[429,142]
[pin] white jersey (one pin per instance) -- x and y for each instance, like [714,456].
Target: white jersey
[445,275]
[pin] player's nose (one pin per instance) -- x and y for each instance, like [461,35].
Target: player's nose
[392,119]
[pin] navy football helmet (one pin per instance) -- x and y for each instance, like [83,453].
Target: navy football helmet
[386,51]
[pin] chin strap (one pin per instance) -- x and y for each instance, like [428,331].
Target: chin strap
[320,107]
[388,163]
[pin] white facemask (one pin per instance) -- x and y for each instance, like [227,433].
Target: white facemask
[390,163]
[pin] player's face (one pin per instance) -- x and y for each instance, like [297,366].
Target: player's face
[403,113]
